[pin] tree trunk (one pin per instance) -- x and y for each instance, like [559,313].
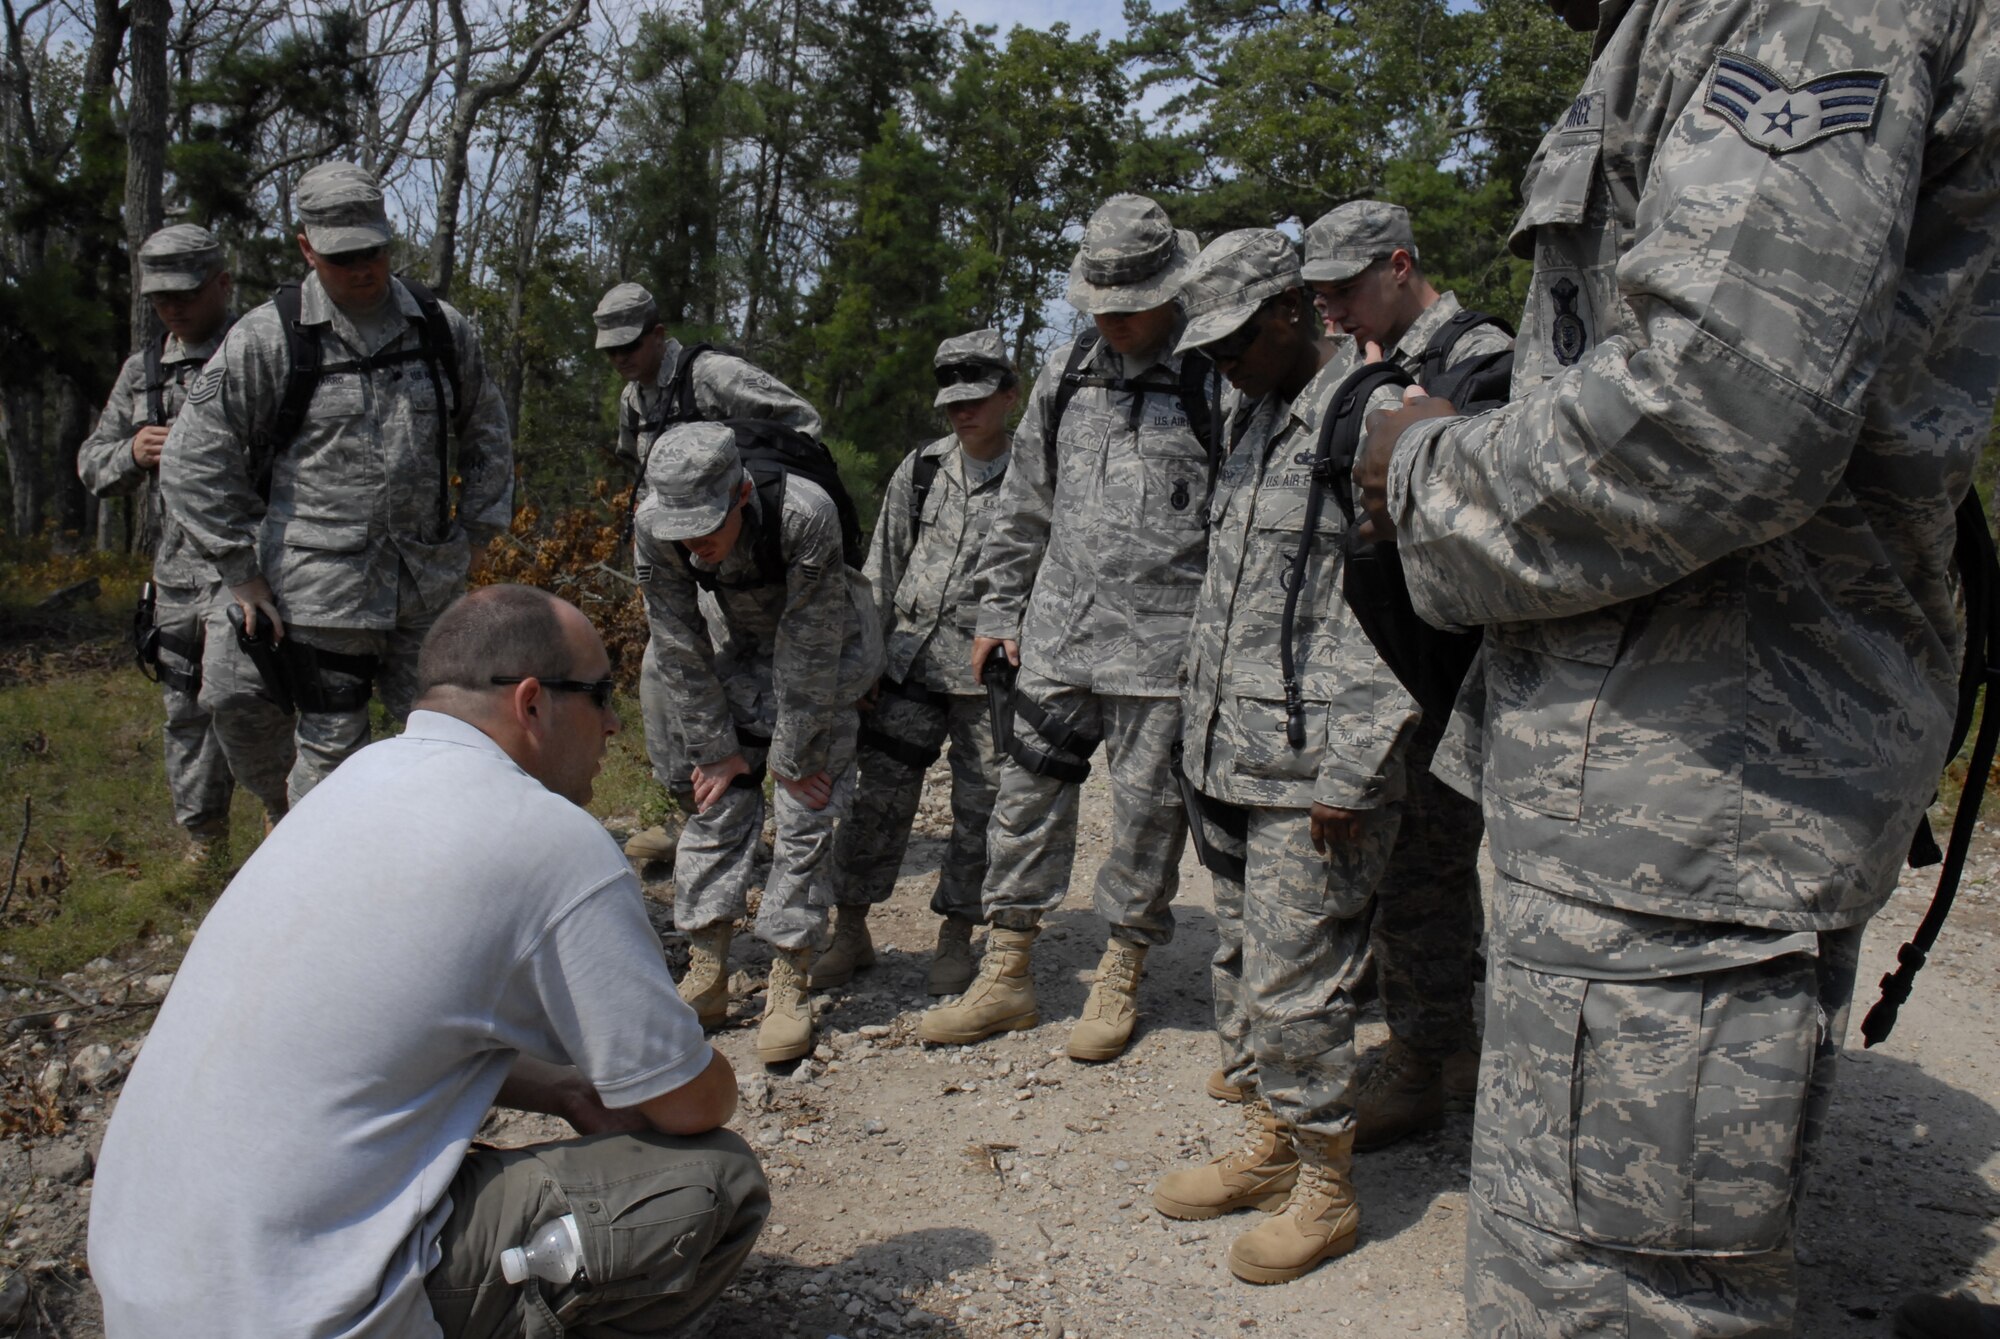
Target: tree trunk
[527,238]
[145,175]
[72,426]
[24,441]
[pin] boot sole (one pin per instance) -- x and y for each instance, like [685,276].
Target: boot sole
[1269,1202]
[1098,1054]
[779,1055]
[1019,1023]
[1384,1139]
[1249,1273]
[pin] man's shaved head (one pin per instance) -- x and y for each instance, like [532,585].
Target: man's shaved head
[494,630]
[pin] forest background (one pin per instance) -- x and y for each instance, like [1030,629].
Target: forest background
[828,186]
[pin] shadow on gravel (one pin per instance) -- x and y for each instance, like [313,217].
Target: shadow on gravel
[776,1296]
[1898,1200]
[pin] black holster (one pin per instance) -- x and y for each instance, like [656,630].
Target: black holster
[298,677]
[1203,810]
[149,639]
[1006,703]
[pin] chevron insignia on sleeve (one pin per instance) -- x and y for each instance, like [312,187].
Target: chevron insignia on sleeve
[1780,117]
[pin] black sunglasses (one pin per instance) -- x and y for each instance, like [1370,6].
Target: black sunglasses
[599,689]
[1238,341]
[953,374]
[349,259]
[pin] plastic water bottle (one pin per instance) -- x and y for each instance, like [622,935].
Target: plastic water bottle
[554,1254]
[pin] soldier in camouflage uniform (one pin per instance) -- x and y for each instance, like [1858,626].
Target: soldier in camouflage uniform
[1299,807]
[1092,563]
[181,270]
[923,566]
[358,551]
[1361,263]
[1711,542]
[722,385]
[768,676]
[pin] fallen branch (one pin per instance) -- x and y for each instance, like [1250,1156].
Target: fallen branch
[27,818]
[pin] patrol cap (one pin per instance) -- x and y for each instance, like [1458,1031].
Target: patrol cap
[1229,281]
[179,259]
[692,478]
[340,207]
[1131,260]
[627,312]
[970,367]
[1343,243]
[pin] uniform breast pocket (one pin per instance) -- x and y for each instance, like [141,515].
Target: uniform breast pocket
[1259,729]
[418,392]
[1174,483]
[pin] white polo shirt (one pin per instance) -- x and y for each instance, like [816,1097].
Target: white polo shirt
[279,1161]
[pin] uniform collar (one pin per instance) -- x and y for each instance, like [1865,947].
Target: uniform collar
[366,336]
[178,350]
[1432,319]
[1308,409]
[670,363]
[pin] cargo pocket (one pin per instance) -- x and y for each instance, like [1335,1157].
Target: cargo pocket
[644,1236]
[322,565]
[1263,749]
[1660,1115]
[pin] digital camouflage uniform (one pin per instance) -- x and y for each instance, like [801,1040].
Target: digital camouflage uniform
[205,751]
[1425,939]
[724,386]
[1710,540]
[768,671]
[1292,931]
[923,578]
[1094,571]
[350,541]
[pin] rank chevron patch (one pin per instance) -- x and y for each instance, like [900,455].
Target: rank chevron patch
[1774,115]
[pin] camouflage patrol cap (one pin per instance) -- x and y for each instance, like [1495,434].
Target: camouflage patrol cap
[179,259]
[627,312]
[692,477]
[1343,243]
[1230,280]
[1131,260]
[340,207]
[981,351]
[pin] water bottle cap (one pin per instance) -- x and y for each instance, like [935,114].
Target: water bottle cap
[514,1265]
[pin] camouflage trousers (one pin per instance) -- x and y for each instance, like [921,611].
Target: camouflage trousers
[209,749]
[328,738]
[663,731]
[716,863]
[1031,842]
[1291,943]
[667,1222]
[1426,937]
[875,836]
[1651,1092]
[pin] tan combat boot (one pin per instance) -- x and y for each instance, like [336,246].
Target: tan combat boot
[1461,1079]
[1319,1220]
[1401,1094]
[1108,1015]
[1259,1175]
[658,842]
[706,985]
[787,1030]
[1221,1089]
[1001,997]
[951,964]
[851,950]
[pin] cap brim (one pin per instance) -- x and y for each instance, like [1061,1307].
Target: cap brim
[173,281]
[330,240]
[1331,271]
[619,335]
[678,524]
[1219,324]
[1103,299]
[962,391]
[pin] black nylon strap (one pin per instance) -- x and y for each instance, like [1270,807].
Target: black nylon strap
[902,750]
[1057,731]
[1042,764]
[911,691]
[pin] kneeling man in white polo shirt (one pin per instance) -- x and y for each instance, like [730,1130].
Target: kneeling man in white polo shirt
[437,928]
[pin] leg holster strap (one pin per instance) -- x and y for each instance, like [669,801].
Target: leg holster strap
[1062,734]
[902,750]
[1207,816]
[328,681]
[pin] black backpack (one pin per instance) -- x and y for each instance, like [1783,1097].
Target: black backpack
[772,454]
[436,350]
[1475,385]
[1198,388]
[675,407]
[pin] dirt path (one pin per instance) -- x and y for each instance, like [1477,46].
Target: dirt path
[1004,1189]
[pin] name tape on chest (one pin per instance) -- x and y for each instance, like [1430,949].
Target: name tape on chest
[1780,117]
[1585,117]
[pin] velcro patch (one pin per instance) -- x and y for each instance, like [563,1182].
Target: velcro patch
[1780,117]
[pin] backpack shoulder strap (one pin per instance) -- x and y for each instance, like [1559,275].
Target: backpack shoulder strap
[156,382]
[770,526]
[302,366]
[1340,431]
[1066,389]
[678,404]
[923,475]
[1437,354]
[439,345]
[1201,397]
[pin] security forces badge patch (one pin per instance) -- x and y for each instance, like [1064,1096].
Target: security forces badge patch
[1778,117]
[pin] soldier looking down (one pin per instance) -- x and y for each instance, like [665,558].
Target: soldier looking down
[1710,541]
[1092,563]
[246,738]
[667,384]
[313,466]
[924,568]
